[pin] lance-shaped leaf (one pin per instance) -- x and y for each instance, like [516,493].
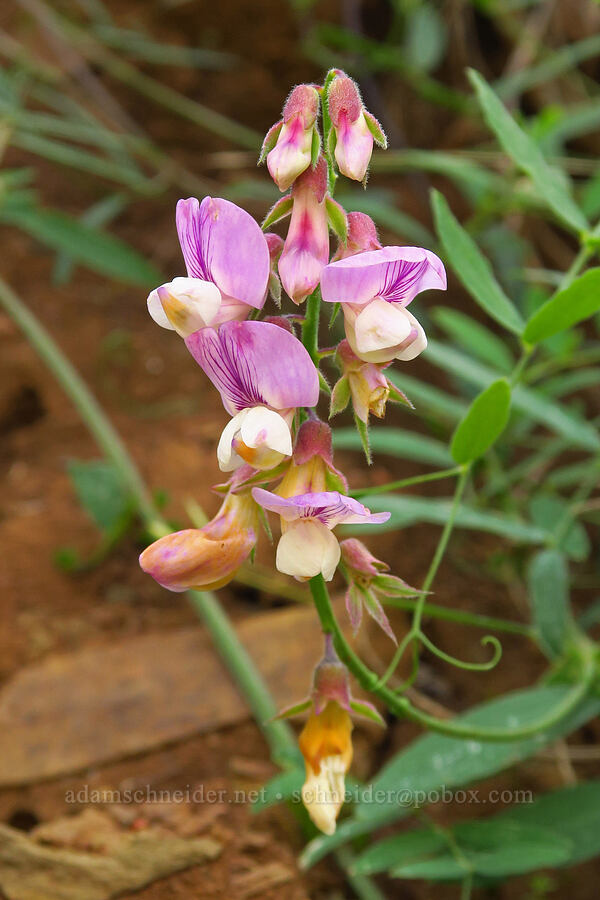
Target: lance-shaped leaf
[567,308]
[472,268]
[549,182]
[483,424]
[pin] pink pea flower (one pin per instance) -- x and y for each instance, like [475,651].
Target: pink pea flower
[306,248]
[263,374]
[205,558]
[355,128]
[374,288]
[307,546]
[228,267]
[289,142]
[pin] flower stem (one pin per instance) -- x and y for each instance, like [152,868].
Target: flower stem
[402,707]
[441,547]
[463,618]
[406,482]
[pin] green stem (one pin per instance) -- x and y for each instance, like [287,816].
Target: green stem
[401,706]
[278,734]
[310,326]
[463,618]
[441,547]
[406,482]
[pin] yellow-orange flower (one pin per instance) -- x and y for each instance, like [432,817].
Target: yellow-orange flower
[205,558]
[326,746]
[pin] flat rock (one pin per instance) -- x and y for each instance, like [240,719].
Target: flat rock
[77,710]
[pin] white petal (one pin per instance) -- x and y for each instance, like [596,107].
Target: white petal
[265,427]
[323,794]
[187,304]
[417,345]
[308,548]
[226,455]
[155,308]
[381,325]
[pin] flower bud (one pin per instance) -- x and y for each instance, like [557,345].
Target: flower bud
[311,469]
[293,136]
[362,236]
[354,128]
[306,247]
[205,558]
[368,578]
[369,387]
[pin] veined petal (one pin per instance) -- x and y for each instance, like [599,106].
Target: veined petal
[396,274]
[185,304]
[256,364]
[223,244]
[307,548]
[329,507]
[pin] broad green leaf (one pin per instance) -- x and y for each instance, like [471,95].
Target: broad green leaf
[474,337]
[558,828]
[484,423]
[526,400]
[575,304]
[100,491]
[472,268]
[547,510]
[492,849]
[549,182]
[399,849]
[548,579]
[99,251]
[396,442]
[433,762]
[572,812]
[408,509]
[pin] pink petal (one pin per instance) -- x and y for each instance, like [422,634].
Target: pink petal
[393,273]
[223,244]
[256,363]
[330,507]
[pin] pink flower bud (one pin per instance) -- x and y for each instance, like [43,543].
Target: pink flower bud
[360,561]
[306,248]
[312,469]
[353,128]
[362,235]
[292,152]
